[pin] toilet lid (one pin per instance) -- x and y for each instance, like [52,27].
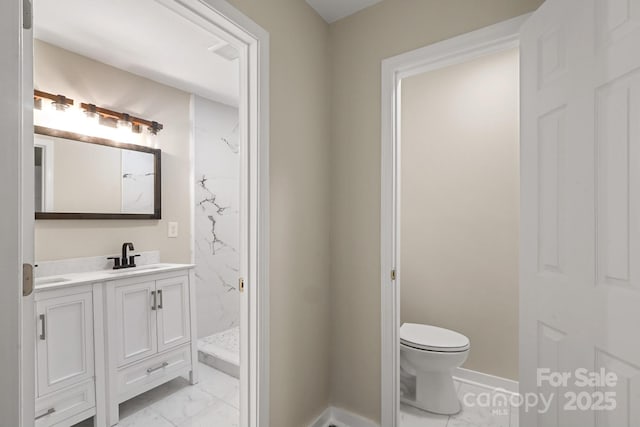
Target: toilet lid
[432,338]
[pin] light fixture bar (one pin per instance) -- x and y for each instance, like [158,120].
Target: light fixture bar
[153,127]
[62,102]
[59,99]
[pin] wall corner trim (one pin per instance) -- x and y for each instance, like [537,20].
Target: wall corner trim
[341,418]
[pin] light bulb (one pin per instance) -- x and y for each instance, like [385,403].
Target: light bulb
[124,124]
[60,103]
[92,113]
[152,140]
[152,135]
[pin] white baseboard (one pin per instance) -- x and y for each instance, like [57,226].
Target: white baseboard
[485,380]
[341,418]
[323,420]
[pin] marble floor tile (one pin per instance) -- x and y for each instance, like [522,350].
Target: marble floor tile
[214,401]
[145,418]
[219,414]
[470,416]
[413,417]
[220,385]
[479,415]
[183,404]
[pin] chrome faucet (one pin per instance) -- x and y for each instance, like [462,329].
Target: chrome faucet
[127,261]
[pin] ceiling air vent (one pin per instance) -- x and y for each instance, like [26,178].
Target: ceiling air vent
[225,50]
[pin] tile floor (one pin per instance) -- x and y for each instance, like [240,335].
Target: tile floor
[214,401]
[469,417]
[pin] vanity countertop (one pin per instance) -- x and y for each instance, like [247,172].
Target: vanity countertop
[75,279]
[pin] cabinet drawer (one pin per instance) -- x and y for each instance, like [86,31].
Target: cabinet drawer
[56,407]
[142,376]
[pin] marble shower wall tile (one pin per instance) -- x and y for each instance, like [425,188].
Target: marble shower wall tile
[217,188]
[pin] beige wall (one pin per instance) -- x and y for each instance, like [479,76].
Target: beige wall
[358,45]
[59,71]
[459,204]
[300,200]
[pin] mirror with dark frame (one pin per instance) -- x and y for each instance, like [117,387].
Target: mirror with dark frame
[84,177]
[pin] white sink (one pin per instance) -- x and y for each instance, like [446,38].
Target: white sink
[134,269]
[52,280]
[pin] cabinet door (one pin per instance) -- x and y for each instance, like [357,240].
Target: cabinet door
[173,312]
[64,341]
[135,322]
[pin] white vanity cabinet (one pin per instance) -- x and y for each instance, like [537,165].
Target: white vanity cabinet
[106,336]
[65,355]
[149,329]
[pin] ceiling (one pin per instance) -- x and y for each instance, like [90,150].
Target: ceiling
[144,38]
[333,10]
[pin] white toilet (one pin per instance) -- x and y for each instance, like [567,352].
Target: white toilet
[428,356]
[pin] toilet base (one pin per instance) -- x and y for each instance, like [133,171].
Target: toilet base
[436,393]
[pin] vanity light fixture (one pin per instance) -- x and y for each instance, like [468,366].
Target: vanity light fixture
[101,115]
[59,102]
[123,120]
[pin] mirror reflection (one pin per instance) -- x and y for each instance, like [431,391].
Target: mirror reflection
[85,177]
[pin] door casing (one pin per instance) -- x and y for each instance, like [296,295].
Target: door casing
[252,42]
[17,318]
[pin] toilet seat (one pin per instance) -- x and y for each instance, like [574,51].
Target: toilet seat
[432,338]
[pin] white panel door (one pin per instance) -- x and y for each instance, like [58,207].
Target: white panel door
[135,322]
[173,312]
[16,227]
[64,350]
[580,236]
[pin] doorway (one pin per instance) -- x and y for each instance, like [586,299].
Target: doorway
[251,43]
[497,40]
[577,282]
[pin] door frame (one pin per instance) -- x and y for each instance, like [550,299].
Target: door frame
[463,48]
[16,192]
[252,42]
